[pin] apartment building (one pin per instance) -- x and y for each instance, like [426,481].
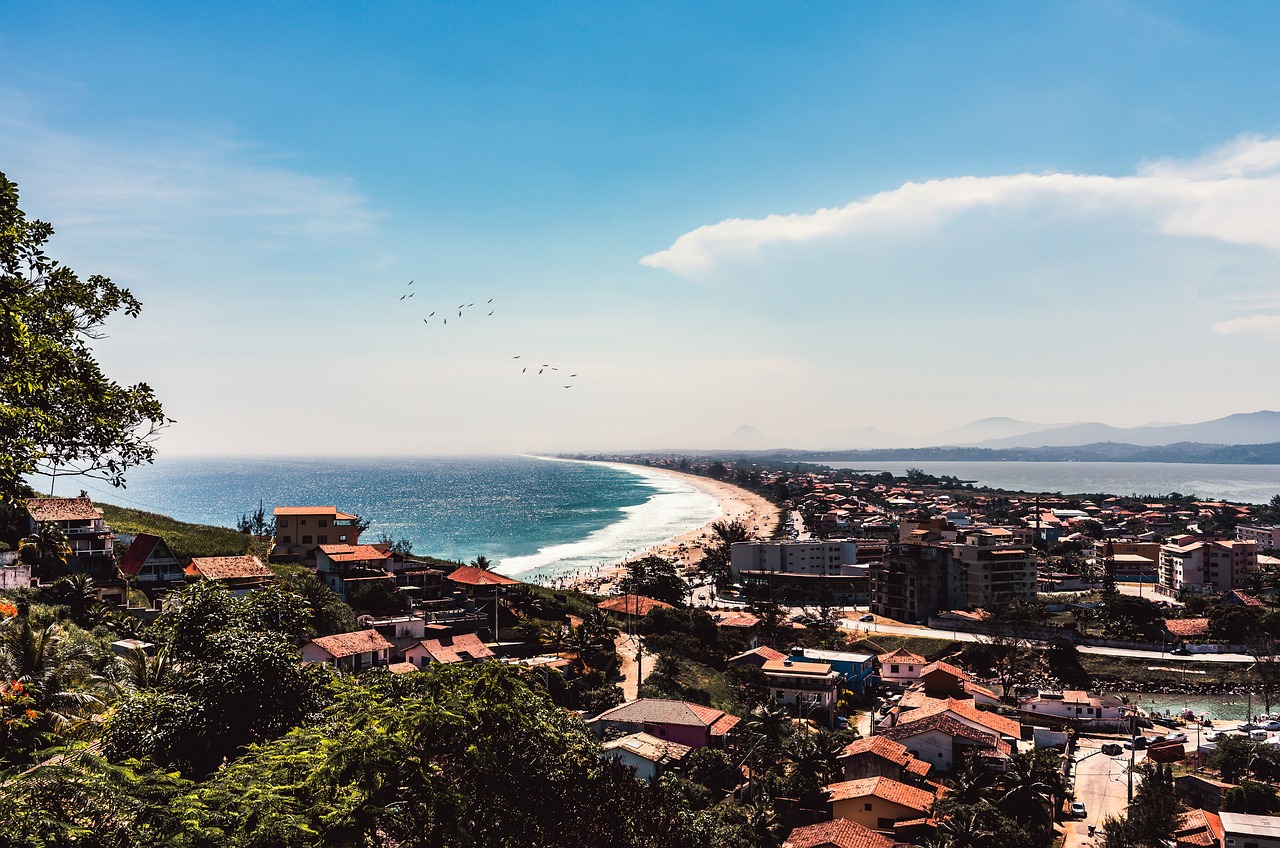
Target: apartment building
[914,582]
[1199,565]
[995,568]
[301,529]
[1266,537]
[799,556]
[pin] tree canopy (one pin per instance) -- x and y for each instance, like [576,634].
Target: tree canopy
[59,413]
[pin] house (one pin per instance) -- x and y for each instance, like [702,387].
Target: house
[837,833]
[1241,830]
[1186,629]
[879,756]
[812,688]
[901,667]
[631,606]
[1075,704]
[964,711]
[479,583]
[943,742]
[345,568]
[743,623]
[648,755]
[878,803]
[349,652]
[1198,829]
[757,656]
[447,648]
[676,721]
[88,536]
[240,574]
[149,560]
[857,671]
[301,529]
[1237,598]
[944,680]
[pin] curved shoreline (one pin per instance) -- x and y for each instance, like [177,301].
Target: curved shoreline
[733,501]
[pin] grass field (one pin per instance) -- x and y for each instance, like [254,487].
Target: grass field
[185,540]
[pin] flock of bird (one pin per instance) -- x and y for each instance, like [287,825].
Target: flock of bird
[462,307]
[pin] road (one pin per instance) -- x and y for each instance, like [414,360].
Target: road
[871,629]
[630,684]
[1102,785]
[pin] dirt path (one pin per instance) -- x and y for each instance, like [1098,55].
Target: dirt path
[627,666]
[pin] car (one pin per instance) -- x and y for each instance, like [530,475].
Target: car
[1258,735]
[1272,725]
[1111,749]
[1077,810]
[1154,740]
[1137,743]
[1214,736]
[1181,651]
[1246,726]
[867,617]
[1179,736]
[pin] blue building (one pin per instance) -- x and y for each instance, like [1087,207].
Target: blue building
[856,670]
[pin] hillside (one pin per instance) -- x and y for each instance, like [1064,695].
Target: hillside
[185,540]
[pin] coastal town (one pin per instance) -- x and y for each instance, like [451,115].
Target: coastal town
[870,660]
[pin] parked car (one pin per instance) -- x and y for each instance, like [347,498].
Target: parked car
[1077,810]
[1112,749]
[1181,651]
[1154,740]
[1137,743]
[867,617]
[1272,725]
[1179,736]
[1214,736]
[1258,735]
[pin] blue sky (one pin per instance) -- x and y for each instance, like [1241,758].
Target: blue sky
[1056,212]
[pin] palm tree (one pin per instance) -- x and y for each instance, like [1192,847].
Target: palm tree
[79,594]
[47,545]
[140,672]
[57,671]
[482,562]
[813,762]
[1026,791]
[965,828]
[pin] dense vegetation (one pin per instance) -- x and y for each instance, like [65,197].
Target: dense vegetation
[183,538]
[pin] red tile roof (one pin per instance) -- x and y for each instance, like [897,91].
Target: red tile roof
[966,709]
[840,833]
[349,644]
[1198,828]
[354,553]
[946,668]
[764,653]
[902,655]
[884,788]
[469,575]
[944,724]
[63,509]
[662,711]
[637,605]
[1187,626]
[462,647]
[228,567]
[738,619]
[1241,597]
[894,752]
[312,510]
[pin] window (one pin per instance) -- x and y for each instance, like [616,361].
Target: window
[322,539]
[342,538]
[306,540]
[283,522]
[884,824]
[893,669]
[324,522]
[287,539]
[866,806]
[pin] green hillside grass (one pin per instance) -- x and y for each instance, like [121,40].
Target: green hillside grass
[185,540]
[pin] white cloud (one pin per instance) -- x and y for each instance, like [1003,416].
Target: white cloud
[1230,195]
[1266,325]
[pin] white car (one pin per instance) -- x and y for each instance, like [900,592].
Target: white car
[1078,811]
[1178,736]
[1272,725]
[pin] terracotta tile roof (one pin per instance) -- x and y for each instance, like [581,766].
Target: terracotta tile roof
[649,747]
[1187,626]
[966,710]
[637,605]
[342,645]
[738,619]
[944,724]
[402,668]
[354,553]
[902,655]
[141,547]
[1247,600]
[661,711]
[312,510]
[63,509]
[884,788]
[764,653]
[1198,828]
[840,833]
[228,567]
[469,575]
[894,752]
[724,725]
[914,699]
[461,647]
[945,668]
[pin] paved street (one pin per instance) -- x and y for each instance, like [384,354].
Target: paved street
[1101,784]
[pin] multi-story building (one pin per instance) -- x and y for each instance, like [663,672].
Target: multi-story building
[812,688]
[994,568]
[90,539]
[301,529]
[914,582]
[1199,565]
[801,556]
[1266,537]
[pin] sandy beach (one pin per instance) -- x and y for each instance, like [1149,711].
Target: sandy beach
[760,516]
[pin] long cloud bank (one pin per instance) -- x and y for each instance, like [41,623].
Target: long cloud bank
[1230,195]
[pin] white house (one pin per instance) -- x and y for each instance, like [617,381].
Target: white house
[1075,704]
[648,755]
[901,667]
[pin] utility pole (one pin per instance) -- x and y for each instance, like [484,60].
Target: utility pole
[1133,749]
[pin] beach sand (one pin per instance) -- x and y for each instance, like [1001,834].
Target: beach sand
[760,516]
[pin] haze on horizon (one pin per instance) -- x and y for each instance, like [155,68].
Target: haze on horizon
[805,219]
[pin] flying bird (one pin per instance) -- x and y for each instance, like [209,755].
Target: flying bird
[459,313]
[539,370]
[411,282]
[432,315]
[410,294]
[517,356]
[522,370]
[403,296]
[446,320]
[573,375]
[489,301]
[470,304]
[489,314]
[568,387]
[425,321]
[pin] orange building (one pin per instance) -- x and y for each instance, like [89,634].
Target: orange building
[301,529]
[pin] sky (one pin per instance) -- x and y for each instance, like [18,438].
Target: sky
[807,218]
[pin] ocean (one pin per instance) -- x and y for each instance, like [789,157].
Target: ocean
[538,519]
[1241,483]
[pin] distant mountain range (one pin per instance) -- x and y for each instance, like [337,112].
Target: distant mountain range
[1260,454]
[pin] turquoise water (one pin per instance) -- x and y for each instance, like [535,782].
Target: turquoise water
[533,517]
[1241,483]
[1231,708]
